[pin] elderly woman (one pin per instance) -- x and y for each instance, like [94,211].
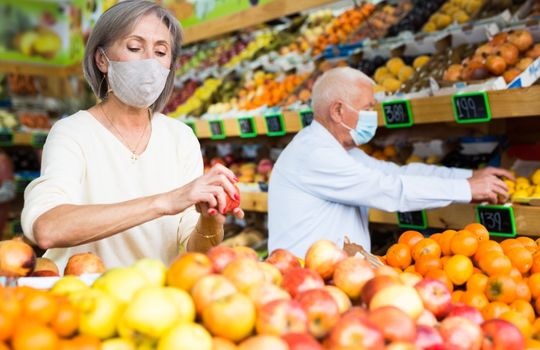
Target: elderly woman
[120,179]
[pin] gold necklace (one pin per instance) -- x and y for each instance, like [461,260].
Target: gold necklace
[133,151]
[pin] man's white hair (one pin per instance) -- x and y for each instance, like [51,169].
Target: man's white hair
[336,84]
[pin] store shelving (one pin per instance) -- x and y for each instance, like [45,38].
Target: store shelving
[41,70]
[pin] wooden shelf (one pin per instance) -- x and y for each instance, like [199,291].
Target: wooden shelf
[25,139]
[40,69]
[515,103]
[454,216]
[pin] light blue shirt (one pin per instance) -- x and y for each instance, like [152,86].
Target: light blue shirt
[319,190]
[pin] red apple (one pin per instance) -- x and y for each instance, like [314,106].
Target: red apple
[351,274]
[299,280]
[427,337]
[45,267]
[401,345]
[187,269]
[461,333]
[427,318]
[81,263]
[435,295]
[281,317]
[221,256]
[467,311]
[232,203]
[301,341]
[342,300]
[394,324]
[243,273]
[354,331]
[266,292]
[355,312]
[501,335]
[375,284]
[263,342]
[323,256]
[271,273]
[321,309]
[283,260]
[403,297]
[210,288]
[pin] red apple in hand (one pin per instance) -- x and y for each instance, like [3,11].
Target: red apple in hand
[427,337]
[221,256]
[298,280]
[323,256]
[281,317]
[467,311]
[283,260]
[501,335]
[232,203]
[355,331]
[301,341]
[394,324]
[435,295]
[321,309]
[351,274]
[461,333]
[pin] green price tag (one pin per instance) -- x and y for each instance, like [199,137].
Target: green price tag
[498,219]
[192,126]
[275,124]
[6,138]
[247,127]
[472,107]
[397,114]
[412,219]
[38,139]
[306,117]
[217,130]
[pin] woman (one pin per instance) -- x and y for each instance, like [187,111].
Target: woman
[122,180]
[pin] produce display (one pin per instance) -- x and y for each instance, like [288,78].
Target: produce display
[524,188]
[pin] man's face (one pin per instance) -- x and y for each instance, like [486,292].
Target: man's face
[349,110]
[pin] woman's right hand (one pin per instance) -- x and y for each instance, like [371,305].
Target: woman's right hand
[211,188]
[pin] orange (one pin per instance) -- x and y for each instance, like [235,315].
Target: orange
[440,275]
[427,262]
[464,243]
[519,321]
[410,238]
[537,306]
[536,264]
[459,269]
[501,288]
[515,274]
[10,305]
[32,336]
[457,295]
[66,320]
[445,240]
[478,230]
[532,344]
[494,310]
[522,291]
[7,326]
[477,282]
[475,298]
[87,342]
[534,285]
[510,243]
[40,305]
[494,263]
[523,308]
[436,237]
[521,258]
[410,268]
[426,247]
[67,344]
[528,243]
[444,259]
[399,255]
[484,247]
[536,329]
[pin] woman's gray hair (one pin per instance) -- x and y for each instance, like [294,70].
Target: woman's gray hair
[116,23]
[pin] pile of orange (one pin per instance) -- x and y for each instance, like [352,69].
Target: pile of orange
[501,279]
[32,319]
[267,90]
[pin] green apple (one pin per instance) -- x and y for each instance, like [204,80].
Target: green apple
[121,282]
[100,312]
[186,336]
[154,271]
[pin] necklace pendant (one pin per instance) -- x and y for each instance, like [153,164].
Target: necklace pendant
[134,157]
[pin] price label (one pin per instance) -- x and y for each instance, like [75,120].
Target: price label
[217,130]
[498,219]
[397,114]
[247,127]
[38,139]
[412,219]
[6,138]
[275,124]
[192,126]
[471,107]
[306,117]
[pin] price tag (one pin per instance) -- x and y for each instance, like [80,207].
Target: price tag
[38,139]
[217,130]
[498,219]
[6,138]
[306,117]
[397,114]
[412,219]
[192,126]
[247,127]
[471,107]
[275,124]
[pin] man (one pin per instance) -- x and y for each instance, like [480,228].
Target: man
[322,185]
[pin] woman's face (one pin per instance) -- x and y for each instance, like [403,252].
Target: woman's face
[150,38]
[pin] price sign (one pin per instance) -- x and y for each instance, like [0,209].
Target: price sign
[192,126]
[217,130]
[6,138]
[471,107]
[498,219]
[275,124]
[412,219]
[397,114]
[38,139]
[247,127]
[306,117]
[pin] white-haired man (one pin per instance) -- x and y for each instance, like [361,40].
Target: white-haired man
[322,184]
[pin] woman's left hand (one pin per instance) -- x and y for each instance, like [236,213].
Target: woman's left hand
[208,212]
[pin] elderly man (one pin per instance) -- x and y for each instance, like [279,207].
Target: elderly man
[322,184]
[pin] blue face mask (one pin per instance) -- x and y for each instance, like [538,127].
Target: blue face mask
[365,127]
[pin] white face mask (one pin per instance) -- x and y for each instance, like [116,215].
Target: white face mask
[137,83]
[365,127]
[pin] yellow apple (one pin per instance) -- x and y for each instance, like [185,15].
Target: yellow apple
[154,271]
[186,336]
[121,283]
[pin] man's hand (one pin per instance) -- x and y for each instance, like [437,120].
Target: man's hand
[486,186]
[494,171]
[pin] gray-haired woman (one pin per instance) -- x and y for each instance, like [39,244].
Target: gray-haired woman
[120,179]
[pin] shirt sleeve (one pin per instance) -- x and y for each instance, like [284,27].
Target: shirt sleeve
[341,179]
[62,169]
[192,158]
[411,169]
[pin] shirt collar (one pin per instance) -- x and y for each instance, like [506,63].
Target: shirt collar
[324,135]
